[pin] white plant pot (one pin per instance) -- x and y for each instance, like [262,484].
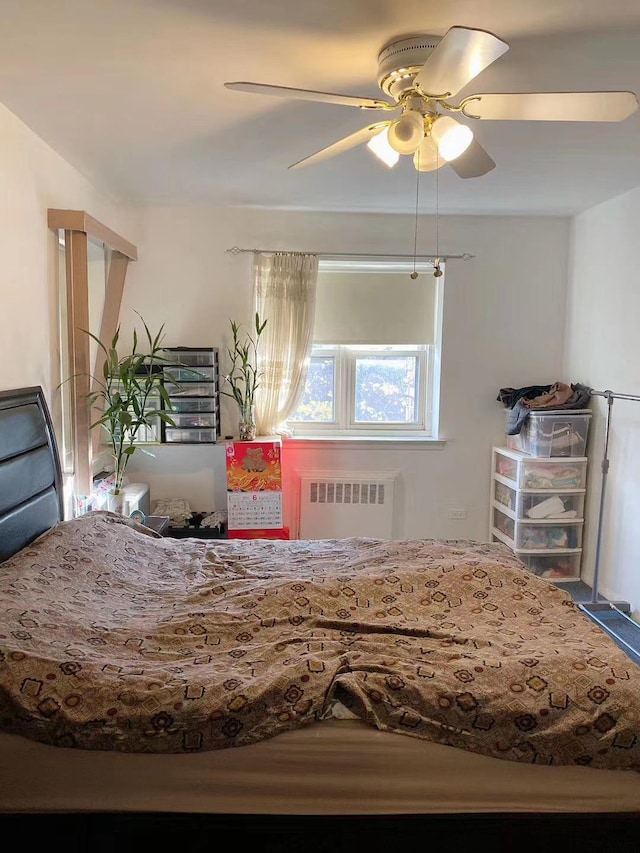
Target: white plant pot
[115,503]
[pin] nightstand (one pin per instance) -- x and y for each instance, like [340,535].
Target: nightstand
[157,523]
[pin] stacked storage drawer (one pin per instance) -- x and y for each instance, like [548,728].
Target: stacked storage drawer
[192,381]
[537,509]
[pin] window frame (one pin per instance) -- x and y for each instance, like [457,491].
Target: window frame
[344,388]
[427,387]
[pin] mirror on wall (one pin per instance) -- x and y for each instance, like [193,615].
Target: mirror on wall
[91,268]
[98,260]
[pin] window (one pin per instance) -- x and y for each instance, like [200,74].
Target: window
[373,369]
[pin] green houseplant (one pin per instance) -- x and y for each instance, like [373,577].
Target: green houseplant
[243,376]
[130,395]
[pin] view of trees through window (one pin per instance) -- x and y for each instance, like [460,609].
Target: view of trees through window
[318,401]
[384,388]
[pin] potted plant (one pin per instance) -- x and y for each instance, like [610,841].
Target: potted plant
[243,377]
[129,395]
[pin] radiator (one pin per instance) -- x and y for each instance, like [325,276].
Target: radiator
[337,507]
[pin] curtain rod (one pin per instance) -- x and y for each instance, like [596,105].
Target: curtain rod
[236,250]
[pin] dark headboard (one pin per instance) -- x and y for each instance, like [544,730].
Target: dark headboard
[31,498]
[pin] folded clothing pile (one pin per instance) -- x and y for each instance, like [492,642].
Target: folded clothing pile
[553,477]
[178,510]
[522,401]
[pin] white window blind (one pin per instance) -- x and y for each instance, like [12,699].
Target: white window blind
[374,307]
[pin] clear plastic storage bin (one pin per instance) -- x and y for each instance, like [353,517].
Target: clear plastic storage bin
[191,420]
[522,471]
[195,404]
[557,567]
[504,524]
[191,389]
[190,436]
[191,374]
[192,356]
[553,433]
[544,535]
[539,505]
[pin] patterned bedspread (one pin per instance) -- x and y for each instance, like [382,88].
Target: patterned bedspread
[112,638]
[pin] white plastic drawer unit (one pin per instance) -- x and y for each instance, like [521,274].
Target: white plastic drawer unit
[537,510]
[521,471]
[191,380]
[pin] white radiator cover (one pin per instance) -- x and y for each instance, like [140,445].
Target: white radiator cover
[338,506]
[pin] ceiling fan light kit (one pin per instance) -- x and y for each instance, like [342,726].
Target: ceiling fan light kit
[451,137]
[407,132]
[421,74]
[381,147]
[427,156]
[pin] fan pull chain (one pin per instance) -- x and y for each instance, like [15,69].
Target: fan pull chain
[414,274]
[437,272]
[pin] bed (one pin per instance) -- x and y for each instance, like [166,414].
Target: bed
[320,695]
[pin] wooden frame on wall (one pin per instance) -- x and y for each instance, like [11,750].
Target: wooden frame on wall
[79,227]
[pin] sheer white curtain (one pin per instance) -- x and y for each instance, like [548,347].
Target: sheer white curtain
[285,296]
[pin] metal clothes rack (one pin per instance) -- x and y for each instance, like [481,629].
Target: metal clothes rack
[597,605]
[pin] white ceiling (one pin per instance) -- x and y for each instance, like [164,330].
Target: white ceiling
[131,93]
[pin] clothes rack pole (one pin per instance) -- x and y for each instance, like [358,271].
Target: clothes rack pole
[596,604]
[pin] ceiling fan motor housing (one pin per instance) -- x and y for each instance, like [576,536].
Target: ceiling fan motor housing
[400,60]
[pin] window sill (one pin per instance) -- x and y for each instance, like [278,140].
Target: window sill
[390,442]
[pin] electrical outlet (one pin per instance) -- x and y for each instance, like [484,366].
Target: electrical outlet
[457,514]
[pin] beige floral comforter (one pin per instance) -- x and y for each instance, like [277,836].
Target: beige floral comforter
[112,638]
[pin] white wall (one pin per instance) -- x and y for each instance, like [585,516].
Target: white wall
[34,178]
[503,326]
[504,312]
[603,351]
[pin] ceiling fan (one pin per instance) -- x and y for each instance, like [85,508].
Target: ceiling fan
[421,73]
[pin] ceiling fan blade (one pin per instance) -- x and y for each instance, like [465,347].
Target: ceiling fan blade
[310,95]
[552,106]
[357,138]
[472,163]
[460,55]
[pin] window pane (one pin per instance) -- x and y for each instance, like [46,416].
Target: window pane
[385,389]
[318,400]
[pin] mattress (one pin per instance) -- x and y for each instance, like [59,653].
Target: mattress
[337,767]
